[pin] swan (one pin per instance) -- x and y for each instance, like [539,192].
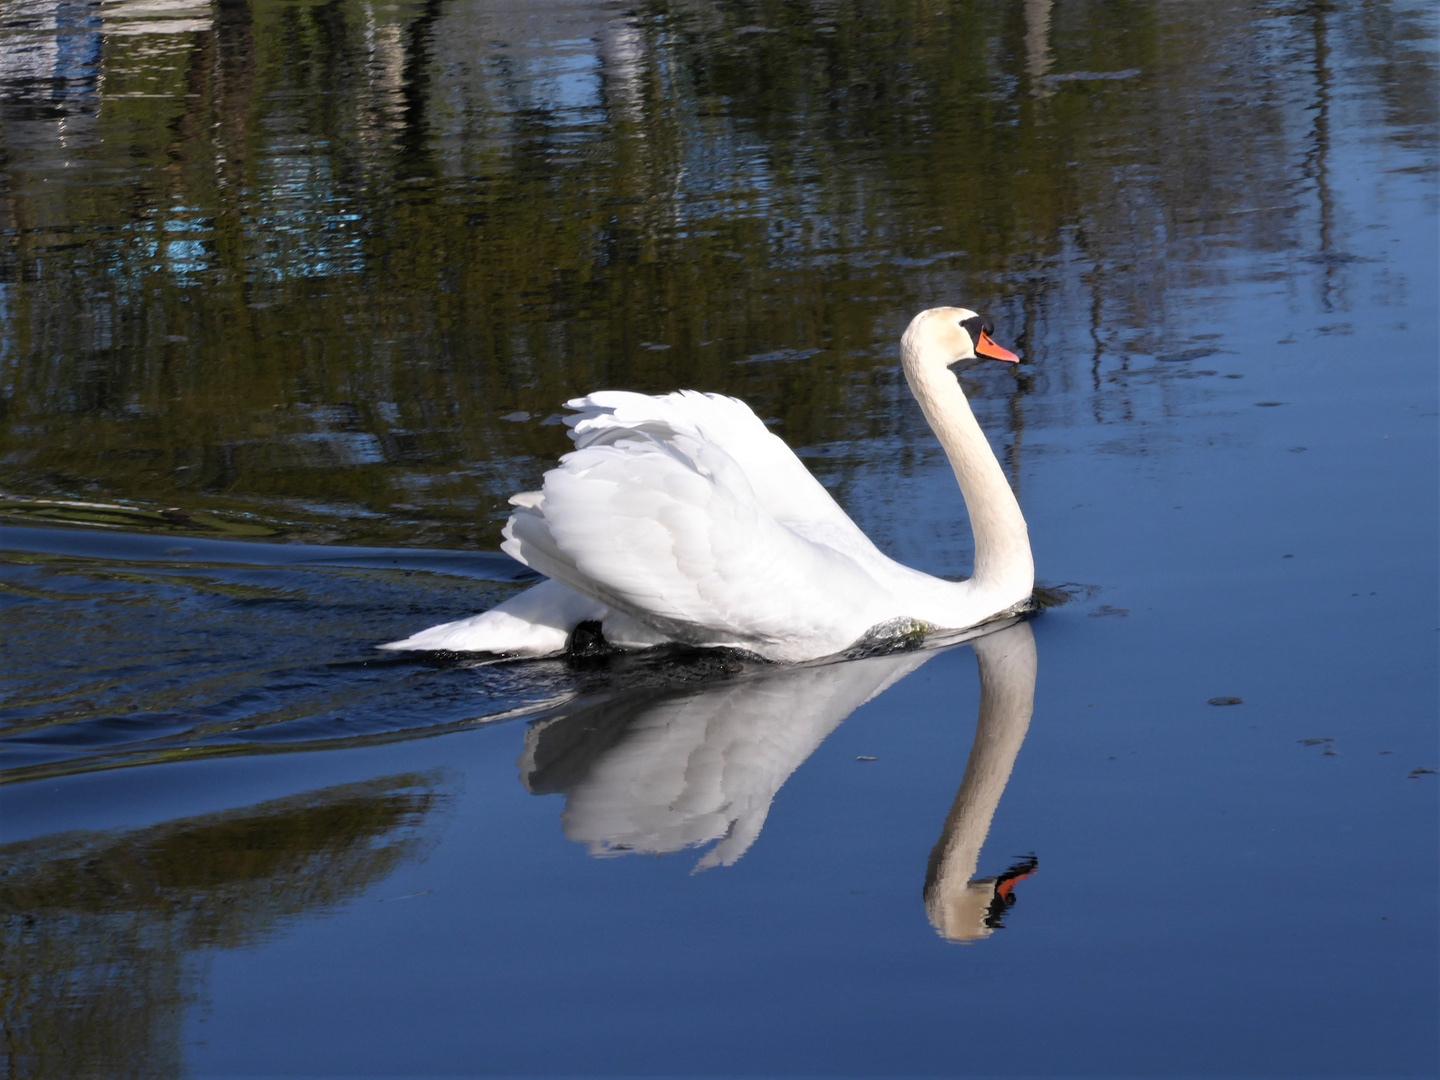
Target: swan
[682,519]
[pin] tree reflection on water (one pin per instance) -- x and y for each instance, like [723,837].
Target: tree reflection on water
[102,930]
[299,259]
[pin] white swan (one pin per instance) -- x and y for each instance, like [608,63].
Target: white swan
[683,519]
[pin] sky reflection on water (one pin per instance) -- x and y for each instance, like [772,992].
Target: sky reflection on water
[323,273]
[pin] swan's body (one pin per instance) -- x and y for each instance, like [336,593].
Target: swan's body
[682,518]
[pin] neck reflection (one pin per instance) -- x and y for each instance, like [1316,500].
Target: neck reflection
[654,772]
[962,909]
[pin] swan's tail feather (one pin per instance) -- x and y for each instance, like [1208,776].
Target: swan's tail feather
[536,622]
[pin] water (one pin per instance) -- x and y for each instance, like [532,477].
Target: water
[290,298]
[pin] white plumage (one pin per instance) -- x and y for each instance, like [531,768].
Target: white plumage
[682,518]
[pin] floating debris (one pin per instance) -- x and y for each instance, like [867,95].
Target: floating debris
[1090,76]
[864,757]
[1333,258]
[778,355]
[1420,772]
[1106,609]
[31,511]
[1185,355]
[1225,701]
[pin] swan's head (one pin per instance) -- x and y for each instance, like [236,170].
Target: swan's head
[947,335]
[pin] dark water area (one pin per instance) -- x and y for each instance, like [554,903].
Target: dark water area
[291,297]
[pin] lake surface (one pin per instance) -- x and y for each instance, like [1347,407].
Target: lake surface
[291,297]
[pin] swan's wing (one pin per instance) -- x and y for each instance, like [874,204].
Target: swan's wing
[781,483]
[666,527]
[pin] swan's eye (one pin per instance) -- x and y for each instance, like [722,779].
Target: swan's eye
[975,326]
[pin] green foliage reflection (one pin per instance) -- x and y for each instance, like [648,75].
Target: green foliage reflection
[101,930]
[300,259]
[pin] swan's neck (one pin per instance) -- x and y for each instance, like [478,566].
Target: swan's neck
[1002,542]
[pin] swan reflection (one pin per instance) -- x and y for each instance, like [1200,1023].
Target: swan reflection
[654,772]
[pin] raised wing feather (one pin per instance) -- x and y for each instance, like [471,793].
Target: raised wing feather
[781,483]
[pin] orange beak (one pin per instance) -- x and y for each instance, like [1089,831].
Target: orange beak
[987,348]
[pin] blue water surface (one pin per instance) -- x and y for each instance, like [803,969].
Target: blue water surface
[238,841]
